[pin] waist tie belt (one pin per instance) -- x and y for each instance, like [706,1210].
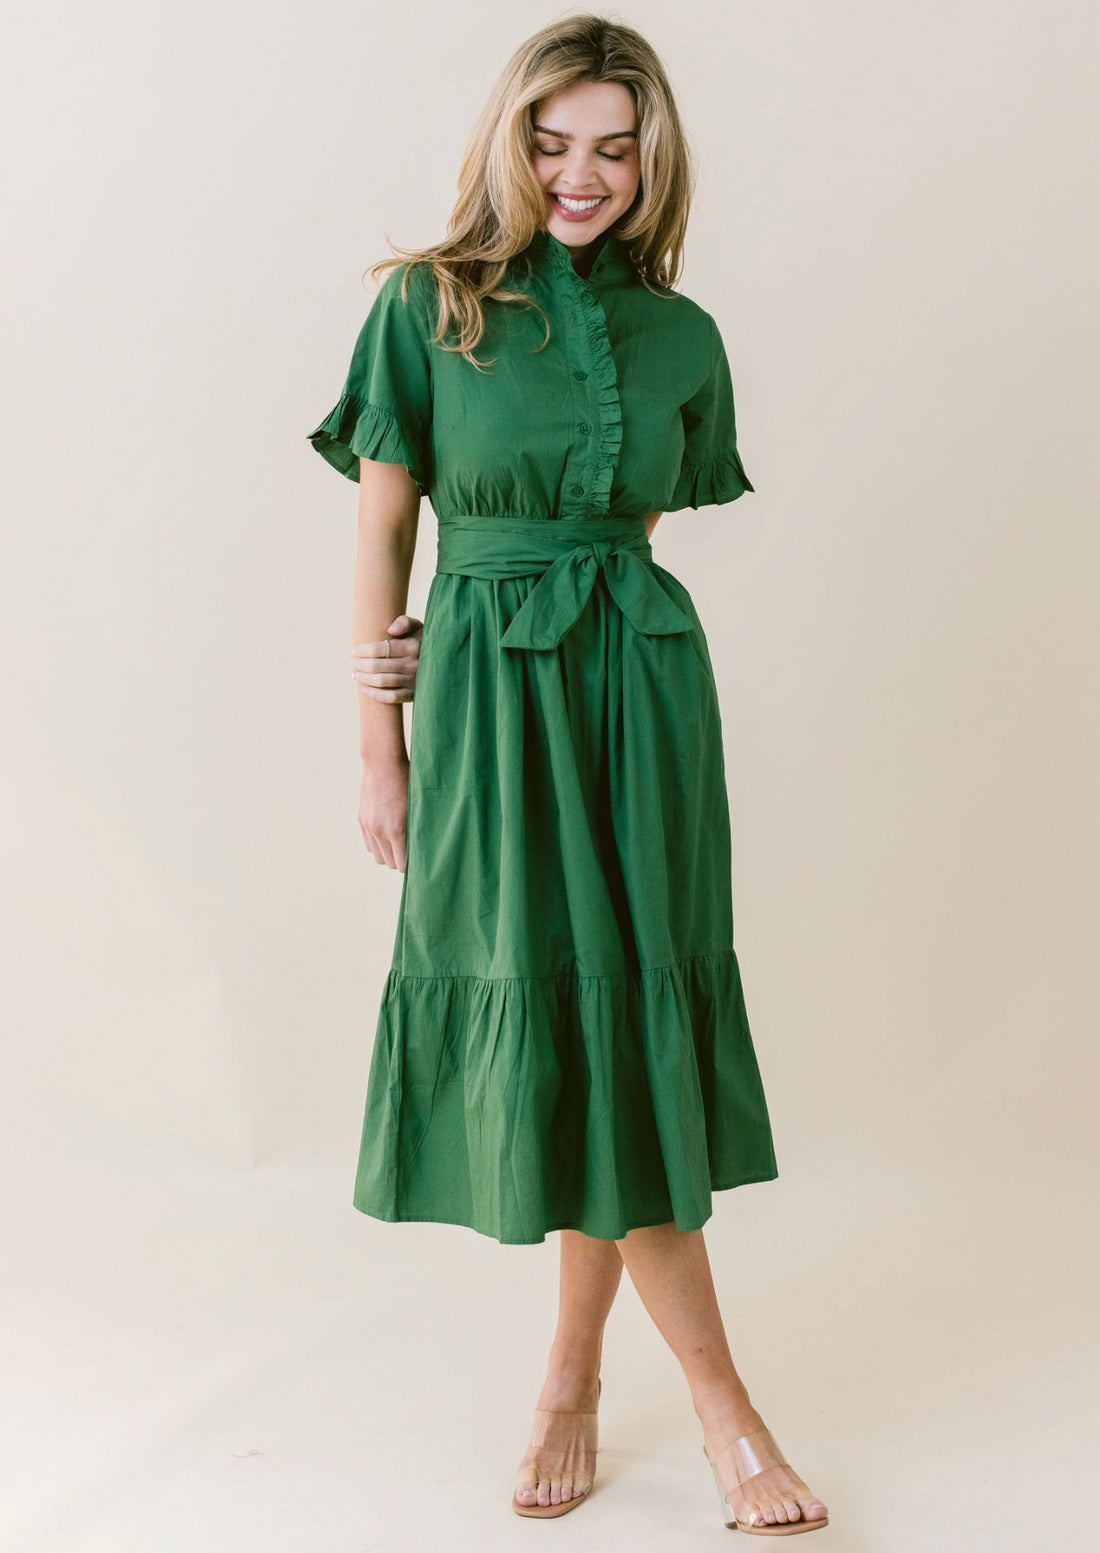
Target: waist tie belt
[568,552]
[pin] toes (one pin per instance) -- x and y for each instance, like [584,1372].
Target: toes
[526,1483]
[550,1484]
[813,1509]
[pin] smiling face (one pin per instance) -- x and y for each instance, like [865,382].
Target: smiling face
[586,160]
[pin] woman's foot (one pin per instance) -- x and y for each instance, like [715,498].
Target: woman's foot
[560,1469]
[773,1496]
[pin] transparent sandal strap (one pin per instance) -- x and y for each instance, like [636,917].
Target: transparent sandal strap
[752,1453]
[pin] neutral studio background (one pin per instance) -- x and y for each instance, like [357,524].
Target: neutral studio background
[204,1345]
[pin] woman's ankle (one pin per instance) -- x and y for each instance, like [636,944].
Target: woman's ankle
[572,1381]
[575,1361]
[721,1402]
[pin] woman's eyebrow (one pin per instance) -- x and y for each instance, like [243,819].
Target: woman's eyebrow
[559,134]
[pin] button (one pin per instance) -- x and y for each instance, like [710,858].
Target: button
[584,426]
[580,376]
[577,490]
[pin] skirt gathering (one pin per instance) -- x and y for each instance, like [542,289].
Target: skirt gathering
[562,1040]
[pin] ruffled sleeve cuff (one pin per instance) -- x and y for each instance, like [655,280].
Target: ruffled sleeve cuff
[353,430]
[717,480]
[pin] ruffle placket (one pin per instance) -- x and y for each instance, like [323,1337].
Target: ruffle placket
[609,412]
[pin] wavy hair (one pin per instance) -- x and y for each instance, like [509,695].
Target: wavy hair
[501,205]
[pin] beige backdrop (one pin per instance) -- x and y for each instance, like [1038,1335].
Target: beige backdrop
[206,1346]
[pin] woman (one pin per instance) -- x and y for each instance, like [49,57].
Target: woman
[562,1042]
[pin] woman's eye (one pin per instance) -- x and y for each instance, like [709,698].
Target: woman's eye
[607,155]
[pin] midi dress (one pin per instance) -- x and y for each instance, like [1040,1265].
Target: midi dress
[562,1040]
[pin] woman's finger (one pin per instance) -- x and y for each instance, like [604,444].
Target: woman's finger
[392,647]
[383,679]
[394,673]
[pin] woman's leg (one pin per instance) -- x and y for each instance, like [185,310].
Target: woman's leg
[589,1277]
[671,1271]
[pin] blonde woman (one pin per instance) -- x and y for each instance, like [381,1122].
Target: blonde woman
[562,1042]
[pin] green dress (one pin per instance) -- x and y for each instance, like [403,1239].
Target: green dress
[562,1041]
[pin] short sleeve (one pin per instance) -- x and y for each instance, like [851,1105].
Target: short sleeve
[385,409]
[711,471]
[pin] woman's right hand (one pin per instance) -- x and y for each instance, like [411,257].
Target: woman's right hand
[383,809]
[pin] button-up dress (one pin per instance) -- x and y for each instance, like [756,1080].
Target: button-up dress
[562,1041]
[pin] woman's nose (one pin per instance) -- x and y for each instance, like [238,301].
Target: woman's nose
[580,174]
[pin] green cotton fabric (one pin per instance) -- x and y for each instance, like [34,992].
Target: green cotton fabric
[562,1040]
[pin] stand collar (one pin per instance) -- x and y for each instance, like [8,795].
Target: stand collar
[547,253]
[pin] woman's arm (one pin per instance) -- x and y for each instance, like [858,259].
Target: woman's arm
[651,523]
[389,515]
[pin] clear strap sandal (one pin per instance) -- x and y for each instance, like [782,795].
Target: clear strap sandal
[742,1459]
[557,1432]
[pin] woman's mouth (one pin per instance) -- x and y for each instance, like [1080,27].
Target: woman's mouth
[571,209]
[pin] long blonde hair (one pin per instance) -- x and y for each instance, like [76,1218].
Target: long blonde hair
[501,205]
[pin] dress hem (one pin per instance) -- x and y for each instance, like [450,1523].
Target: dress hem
[550,1229]
[518,1105]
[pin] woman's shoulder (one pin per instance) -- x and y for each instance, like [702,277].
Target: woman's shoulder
[681,318]
[420,289]
[684,308]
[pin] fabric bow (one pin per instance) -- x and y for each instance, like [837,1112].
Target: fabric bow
[556,600]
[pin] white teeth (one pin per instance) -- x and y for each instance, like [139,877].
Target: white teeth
[578,204]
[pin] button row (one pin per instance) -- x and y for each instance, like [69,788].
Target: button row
[578,490]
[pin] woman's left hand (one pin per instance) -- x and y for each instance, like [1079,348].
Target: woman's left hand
[387,670]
